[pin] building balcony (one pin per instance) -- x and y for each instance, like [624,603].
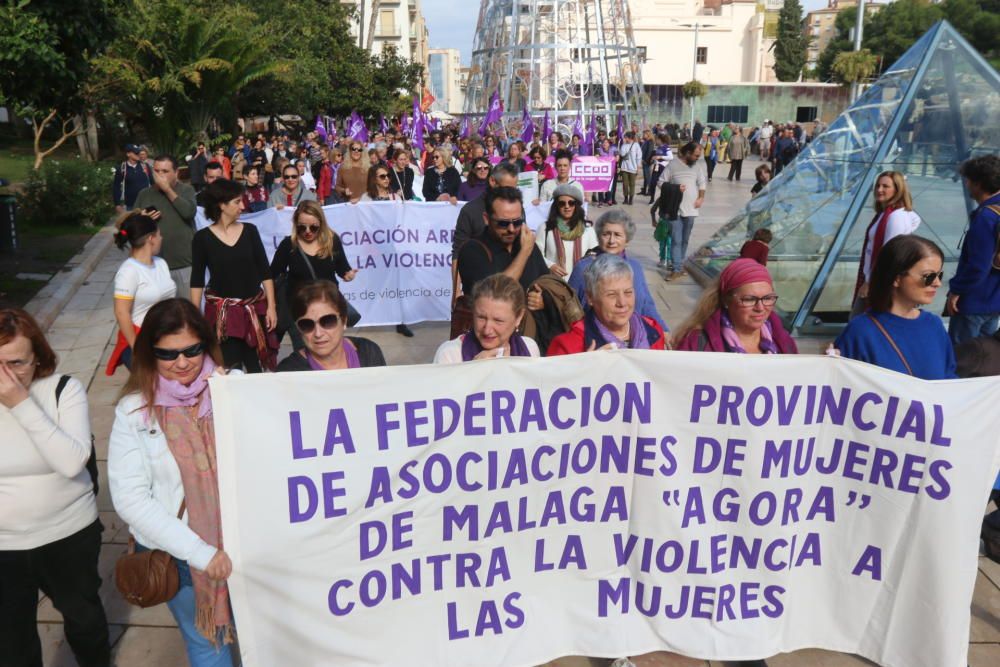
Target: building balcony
[388,33]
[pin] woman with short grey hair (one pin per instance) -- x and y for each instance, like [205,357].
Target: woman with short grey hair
[615,229]
[610,320]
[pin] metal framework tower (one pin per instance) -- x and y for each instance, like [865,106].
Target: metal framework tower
[560,56]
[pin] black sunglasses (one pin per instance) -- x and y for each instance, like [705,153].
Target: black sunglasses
[504,224]
[355,149]
[929,278]
[302,229]
[291,177]
[306,325]
[568,202]
[191,352]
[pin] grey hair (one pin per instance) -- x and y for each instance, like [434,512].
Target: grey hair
[616,216]
[605,266]
[502,169]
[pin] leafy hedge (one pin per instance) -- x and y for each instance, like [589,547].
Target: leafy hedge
[66,193]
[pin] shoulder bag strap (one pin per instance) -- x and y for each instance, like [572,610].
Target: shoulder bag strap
[891,342]
[309,265]
[63,381]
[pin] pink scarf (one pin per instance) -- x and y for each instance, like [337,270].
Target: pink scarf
[184,412]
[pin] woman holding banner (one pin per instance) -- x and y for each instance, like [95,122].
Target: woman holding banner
[498,308]
[538,164]
[611,320]
[895,333]
[441,180]
[379,186]
[475,186]
[353,173]
[162,474]
[737,315]
[320,314]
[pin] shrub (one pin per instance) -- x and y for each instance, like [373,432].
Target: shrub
[67,193]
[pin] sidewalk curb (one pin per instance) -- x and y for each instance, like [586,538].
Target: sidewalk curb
[49,303]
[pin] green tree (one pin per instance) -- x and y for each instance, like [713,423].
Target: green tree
[791,43]
[46,51]
[895,28]
[854,66]
[844,23]
[979,22]
[181,64]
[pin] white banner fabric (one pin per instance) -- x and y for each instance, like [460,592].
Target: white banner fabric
[402,251]
[503,513]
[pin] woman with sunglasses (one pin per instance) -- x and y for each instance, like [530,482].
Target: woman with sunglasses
[894,215]
[319,311]
[896,333]
[538,164]
[239,300]
[162,471]
[50,534]
[479,176]
[736,314]
[313,251]
[498,308]
[568,235]
[379,185]
[352,177]
[442,180]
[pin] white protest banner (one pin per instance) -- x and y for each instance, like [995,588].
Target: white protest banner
[503,513]
[402,251]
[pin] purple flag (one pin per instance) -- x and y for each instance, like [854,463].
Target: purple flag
[466,129]
[383,125]
[320,128]
[578,125]
[621,126]
[494,113]
[546,128]
[591,136]
[528,126]
[357,129]
[418,133]
[331,128]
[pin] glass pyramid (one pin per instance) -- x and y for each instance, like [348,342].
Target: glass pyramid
[936,107]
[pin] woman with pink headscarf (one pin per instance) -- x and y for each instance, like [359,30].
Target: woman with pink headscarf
[737,315]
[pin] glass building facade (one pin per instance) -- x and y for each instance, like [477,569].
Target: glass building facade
[936,107]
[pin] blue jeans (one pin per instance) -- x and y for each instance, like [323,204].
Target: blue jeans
[966,327]
[200,651]
[680,233]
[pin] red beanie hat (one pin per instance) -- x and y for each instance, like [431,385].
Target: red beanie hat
[741,272]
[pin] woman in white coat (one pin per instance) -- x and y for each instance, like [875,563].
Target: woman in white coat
[162,470]
[567,235]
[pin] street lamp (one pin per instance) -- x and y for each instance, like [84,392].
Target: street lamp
[694,56]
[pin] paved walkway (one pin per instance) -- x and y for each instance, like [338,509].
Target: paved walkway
[83,335]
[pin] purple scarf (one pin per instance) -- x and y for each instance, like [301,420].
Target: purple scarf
[172,394]
[471,346]
[732,339]
[350,352]
[637,338]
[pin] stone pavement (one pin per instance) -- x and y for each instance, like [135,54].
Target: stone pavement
[83,335]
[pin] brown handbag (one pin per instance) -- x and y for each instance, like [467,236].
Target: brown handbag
[148,578]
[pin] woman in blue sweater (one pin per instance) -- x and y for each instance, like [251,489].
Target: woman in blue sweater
[895,333]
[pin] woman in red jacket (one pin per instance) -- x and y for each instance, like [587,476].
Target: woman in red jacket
[610,320]
[737,315]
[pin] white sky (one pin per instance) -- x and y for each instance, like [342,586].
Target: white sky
[450,29]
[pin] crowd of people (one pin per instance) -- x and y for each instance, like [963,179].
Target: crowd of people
[191,304]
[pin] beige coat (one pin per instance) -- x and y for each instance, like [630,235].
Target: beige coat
[739,147]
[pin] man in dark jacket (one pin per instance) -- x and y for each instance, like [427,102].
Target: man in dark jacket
[974,292]
[196,168]
[131,177]
[648,147]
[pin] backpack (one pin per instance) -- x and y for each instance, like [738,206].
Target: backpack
[92,461]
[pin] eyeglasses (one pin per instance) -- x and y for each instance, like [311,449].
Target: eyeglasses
[355,149]
[191,352]
[18,365]
[768,300]
[436,157]
[302,229]
[307,326]
[929,278]
[386,176]
[482,167]
[504,224]
[564,203]
[291,177]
